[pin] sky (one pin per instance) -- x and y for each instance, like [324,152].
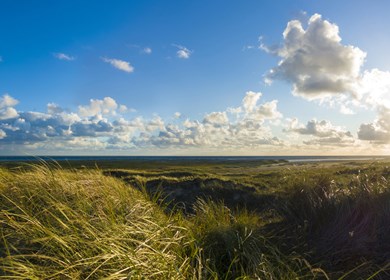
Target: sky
[219,77]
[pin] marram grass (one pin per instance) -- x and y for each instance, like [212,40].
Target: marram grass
[80,224]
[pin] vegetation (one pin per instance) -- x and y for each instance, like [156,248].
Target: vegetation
[202,221]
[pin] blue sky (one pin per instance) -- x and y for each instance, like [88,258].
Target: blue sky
[193,77]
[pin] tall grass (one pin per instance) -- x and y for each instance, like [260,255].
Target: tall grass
[234,247]
[347,225]
[80,224]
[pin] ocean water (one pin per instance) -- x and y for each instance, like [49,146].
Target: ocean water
[190,158]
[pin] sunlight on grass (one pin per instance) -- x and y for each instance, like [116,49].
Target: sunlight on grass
[81,224]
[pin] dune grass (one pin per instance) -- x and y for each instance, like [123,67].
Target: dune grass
[81,224]
[59,224]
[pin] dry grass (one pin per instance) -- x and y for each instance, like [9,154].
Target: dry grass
[80,224]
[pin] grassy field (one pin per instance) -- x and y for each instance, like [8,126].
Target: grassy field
[195,220]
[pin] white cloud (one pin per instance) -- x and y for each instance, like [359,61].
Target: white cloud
[378,132]
[375,88]
[142,49]
[322,132]
[53,108]
[321,68]
[119,64]
[346,110]
[222,131]
[216,118]
[8,113]
[98,107]
[250,100]
[2,134]
[182,52]
[253,111]
[7,101]
[157,123]
[248,47]
[249,127]
[123,108]
[331,141]
[6,107]
[267,110]
[63,56]
[316,62]
[147,50]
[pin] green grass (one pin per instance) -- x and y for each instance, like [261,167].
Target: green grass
[256,221]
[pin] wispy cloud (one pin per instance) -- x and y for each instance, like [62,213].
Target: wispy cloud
[142,49]
[64,56]
[147,50]
[182,52]
[1,58]
[119,64]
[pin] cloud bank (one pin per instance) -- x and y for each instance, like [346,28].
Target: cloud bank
[312,58]
[101,125]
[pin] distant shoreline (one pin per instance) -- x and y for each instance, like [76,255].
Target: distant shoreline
[290,159]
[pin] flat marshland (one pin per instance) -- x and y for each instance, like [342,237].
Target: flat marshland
[195,220]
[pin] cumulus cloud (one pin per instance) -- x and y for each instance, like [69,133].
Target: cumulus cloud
[375,88]
[8,113]
[267,111]
[331,141]
[7,101]
[6,107]
[250,100]
[99,107]
[375,92]
[119,64]
[64,56]
[216,118]
[378,132]
[252,111]
[320,67]
[239,127]
[182,52]
[322,132]
[58,127]
[99,123]
[157,123]
[53,108]
[315,61]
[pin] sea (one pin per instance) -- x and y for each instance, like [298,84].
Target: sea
[292,159]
